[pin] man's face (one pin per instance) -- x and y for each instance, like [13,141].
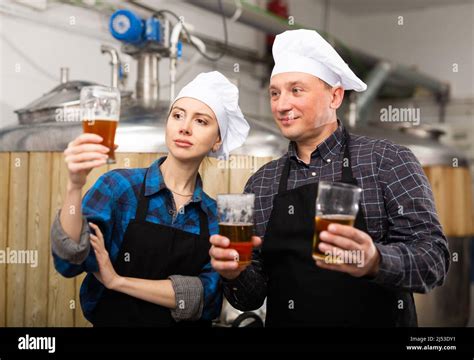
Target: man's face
[301,103]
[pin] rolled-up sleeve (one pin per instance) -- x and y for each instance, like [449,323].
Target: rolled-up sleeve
[197,297]
[66,248]
[71,258]
[414,255]
[189,294]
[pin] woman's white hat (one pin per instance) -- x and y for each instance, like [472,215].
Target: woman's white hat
[217,92]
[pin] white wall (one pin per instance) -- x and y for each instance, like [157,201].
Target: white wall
[432,39]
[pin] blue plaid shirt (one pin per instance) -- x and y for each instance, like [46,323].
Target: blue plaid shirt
[111,203]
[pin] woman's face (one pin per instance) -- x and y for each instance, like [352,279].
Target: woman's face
[191,130]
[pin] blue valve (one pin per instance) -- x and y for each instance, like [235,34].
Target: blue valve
[126,26]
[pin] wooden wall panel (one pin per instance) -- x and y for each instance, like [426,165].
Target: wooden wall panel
[17,230]
[38,230]
[4,191]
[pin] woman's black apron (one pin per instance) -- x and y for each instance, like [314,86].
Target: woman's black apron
[302,294]
[152,251]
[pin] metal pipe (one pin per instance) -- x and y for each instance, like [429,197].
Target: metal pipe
[375,80]
[64,75]
[114,62]
[148,84]
[252,16]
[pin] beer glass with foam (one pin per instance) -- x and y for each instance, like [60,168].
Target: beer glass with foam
[335,203]
[100,112]
[235,215]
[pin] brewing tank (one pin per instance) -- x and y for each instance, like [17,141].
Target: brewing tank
[52,121]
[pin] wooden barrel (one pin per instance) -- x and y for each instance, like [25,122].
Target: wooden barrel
[448,305]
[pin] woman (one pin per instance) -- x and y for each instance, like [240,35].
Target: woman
[150,264]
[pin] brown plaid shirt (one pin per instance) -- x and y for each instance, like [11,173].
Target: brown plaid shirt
[397,204]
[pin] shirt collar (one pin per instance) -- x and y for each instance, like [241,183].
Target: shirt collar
[328,150]
[155,183]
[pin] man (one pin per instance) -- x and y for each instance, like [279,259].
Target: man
[396,233]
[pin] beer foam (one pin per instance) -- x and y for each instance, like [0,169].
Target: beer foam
[100,118]
[236,208]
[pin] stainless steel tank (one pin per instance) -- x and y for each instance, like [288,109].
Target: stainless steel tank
[141,132]
[52,121]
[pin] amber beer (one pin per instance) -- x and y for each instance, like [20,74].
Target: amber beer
[240,236]
[106,130]
[100,113]
[321,223]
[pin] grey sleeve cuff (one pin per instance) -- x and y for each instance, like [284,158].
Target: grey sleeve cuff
[66,248]
[189,294]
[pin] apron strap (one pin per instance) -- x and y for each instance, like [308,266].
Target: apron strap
[142,210]
[285,174]
[143,201]
[347,175]
[204,224]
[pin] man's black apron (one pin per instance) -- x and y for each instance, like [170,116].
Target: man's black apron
[302,294]
[152,251]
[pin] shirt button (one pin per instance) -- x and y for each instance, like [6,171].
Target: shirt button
[170,212]
[328,160]
[313,173]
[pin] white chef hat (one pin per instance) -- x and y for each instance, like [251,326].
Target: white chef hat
[306,51]
[217,92]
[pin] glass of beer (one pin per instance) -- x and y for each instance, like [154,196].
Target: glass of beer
[100,112]
[235,212]
[335,203]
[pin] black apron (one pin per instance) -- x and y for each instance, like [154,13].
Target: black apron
[302,294]
[152,251]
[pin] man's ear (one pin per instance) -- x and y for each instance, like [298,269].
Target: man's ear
[337,95]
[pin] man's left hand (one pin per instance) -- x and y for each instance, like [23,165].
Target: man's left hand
[352,251]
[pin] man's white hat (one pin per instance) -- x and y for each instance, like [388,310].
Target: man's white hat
[217,92]
[306,51]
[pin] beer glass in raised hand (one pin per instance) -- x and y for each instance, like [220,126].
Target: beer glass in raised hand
[100,112]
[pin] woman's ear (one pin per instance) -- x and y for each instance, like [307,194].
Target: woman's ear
[217,144]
